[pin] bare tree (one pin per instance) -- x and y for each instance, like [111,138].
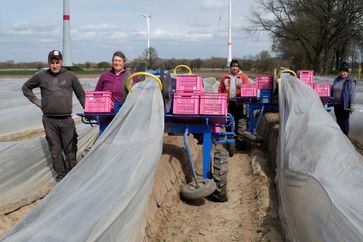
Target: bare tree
[312,30]
[151,57]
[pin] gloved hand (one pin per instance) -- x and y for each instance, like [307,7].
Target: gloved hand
[38,103]
[352,108]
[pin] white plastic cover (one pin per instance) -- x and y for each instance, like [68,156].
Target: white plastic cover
[104,197]
[26,168]
[319,172]
[17,114]
[211,84]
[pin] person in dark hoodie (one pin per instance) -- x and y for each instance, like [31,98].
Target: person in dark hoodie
[343,93]
[57,85]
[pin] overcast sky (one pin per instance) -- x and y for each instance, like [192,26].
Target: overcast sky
[181,29]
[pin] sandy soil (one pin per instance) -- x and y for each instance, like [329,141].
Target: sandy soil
[250,214]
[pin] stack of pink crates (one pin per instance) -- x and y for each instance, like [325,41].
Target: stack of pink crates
[187,94]
[99,102]
[322,89]
[189,98]
[264,88]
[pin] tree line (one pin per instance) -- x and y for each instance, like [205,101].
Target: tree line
[262,63]
[313,34]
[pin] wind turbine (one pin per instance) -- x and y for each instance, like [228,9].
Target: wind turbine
[67,52]
[229,59]
[147,17]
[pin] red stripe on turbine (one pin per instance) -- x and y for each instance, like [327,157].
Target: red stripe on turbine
[66,17]
[229,43]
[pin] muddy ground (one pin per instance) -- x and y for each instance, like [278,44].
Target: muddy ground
[250,214]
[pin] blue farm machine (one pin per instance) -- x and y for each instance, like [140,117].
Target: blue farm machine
[188,110]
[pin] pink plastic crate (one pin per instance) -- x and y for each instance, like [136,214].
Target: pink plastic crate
[186,103]
[306,76]
[189,83]
[323,89]
[249,90]
[264,82]
[213,104]
[99,102]
[309,81]
[305,73]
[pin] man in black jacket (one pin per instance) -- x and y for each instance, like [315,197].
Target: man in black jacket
[57,85]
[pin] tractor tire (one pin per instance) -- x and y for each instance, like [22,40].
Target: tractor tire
[231,147]
[243,143]
[220,171]
[205,188]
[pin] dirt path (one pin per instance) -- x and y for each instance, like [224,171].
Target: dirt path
[250,214]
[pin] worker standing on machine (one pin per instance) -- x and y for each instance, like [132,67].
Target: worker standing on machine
[114,80]
[231,83]
[57,85]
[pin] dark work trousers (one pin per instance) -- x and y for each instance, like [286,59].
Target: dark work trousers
[342,117]
[62,139]
[237,111]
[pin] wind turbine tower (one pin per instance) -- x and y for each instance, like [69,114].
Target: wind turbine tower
[229,59]
[147,17]
[67,52]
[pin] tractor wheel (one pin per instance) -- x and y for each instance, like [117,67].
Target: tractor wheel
[205,188]
[242,127]
[231,147]
[220,171]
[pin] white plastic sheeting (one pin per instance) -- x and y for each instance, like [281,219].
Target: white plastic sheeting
[17,114]
[104,197]
[319,172]
[26,168]
[211,84]
[356,124]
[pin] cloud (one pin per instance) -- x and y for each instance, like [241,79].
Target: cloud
[212,4]
[179,36]
[178,29]
[25,29]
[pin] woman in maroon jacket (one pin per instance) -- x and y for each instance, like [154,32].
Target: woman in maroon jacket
[114,80]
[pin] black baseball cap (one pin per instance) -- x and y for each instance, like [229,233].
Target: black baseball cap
[55,54]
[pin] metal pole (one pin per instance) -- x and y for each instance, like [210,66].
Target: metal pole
[148,31]
[229,59]
[148,17]
[67,52]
